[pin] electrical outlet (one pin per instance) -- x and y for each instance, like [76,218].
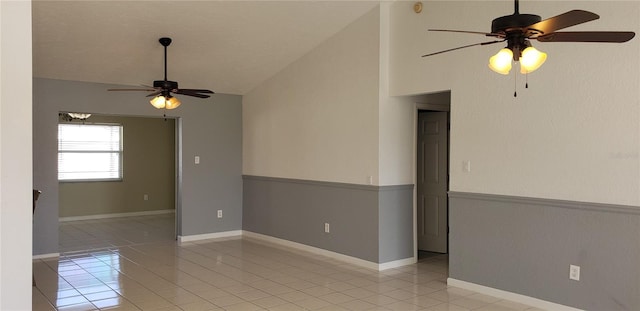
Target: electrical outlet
[574,272]
[466,166]
[196,159]
[146,197]
[326,227]
[219,213]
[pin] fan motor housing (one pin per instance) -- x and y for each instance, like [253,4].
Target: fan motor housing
[165,85]
[508,23]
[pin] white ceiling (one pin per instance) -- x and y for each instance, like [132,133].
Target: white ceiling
[227,46]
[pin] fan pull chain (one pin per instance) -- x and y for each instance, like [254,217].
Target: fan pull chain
[515,84]
[526,83]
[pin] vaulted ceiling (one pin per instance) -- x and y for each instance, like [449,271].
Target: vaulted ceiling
[228,46]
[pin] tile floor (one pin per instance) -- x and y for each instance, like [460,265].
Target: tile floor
[129,270]
[115,232]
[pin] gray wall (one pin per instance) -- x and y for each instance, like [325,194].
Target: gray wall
[210,128]
[148,168]
[367,222]
[395,222]
[525,245]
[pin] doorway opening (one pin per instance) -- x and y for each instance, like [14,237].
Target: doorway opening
[432,174]
[138,206]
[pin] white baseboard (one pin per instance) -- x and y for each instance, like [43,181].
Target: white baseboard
[207,236]
[534,302]
[396,263]
[348,259]
[46,256]
[116,215]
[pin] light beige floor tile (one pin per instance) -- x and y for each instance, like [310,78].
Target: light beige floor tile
[243,306]
[198,306]
[469,303]
[381,300]
[402,306]
[380,288]
[447,307]
[111,303]
[340,286]
[129,270]
[424,301]
[286,307]
[79,307]
[359,293]
[512,305]
[101,295]
[333,308]
[400,294]
[312,303]
[295,296]
[152,304]
[252,295]
[317,291]
[357,305]
[67,301]
[336,298]
[225,301]
[269,302]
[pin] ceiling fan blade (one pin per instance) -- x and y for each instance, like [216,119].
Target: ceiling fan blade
[462,47]
[154,94]
[196,91]
[563,20]
[146,90]
[588,36]
[488,34]
[194,95]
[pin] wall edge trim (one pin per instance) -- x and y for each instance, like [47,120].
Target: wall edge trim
[46,256]
[116,215]
[328,183]
[588,206]
[534,302]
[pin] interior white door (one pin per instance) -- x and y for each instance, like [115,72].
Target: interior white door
[432,205]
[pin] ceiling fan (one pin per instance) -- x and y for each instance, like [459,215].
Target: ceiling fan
[517,29]
[162,89]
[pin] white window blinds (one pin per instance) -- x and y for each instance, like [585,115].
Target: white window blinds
[89,152]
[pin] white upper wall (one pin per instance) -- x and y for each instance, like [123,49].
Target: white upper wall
[318,118]
[396,133]
[574,134]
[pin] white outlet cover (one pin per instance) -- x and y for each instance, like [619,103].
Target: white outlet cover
[466,166]
[574,272]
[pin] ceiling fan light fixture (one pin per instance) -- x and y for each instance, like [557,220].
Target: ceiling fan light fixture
[159,102]
[501,62]
[162,102]
[531,59]
[78,116]
[172,103]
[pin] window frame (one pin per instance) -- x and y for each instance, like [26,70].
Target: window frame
[120,153]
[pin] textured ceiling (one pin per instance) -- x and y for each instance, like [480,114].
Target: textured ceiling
[228,46]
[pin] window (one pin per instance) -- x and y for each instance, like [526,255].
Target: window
[89,152]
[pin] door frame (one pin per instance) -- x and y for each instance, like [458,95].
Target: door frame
[426,106]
